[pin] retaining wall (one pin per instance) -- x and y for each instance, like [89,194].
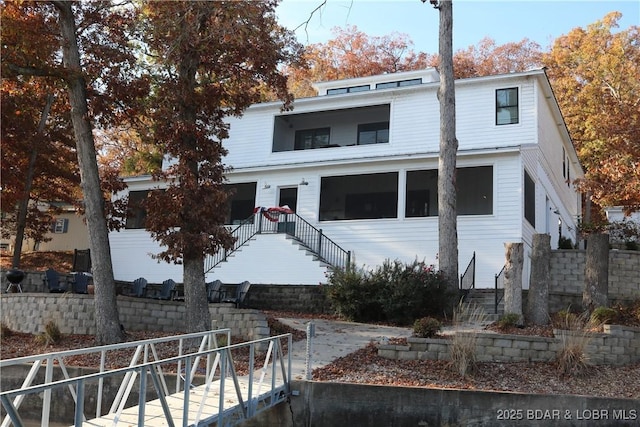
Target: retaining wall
[74,314]
[617,345]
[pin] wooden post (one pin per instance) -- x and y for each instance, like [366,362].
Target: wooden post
[513,279]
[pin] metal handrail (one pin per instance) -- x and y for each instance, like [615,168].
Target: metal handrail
[288,223]
[498,284]
[468,278]
[221,369]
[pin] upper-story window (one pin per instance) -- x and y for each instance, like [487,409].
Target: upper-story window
[312,138]
[399,83]
[352,89]
[373,133]
[507,106]
[136,212]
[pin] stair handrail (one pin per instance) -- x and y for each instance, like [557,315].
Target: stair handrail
[244,232]
[499,284]
[291,224]
[468,278]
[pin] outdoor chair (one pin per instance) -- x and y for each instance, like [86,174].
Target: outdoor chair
[240,294]
[167,291]
[138,288]
[80,283]
[214,291]
[53,282]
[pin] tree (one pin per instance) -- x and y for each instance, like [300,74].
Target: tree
[596,77]
[210,58]
[354,54]
[92,39]
[38,163]
[486,58]
[538,297]
[596,272]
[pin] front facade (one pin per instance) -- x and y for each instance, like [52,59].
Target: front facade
[359,161]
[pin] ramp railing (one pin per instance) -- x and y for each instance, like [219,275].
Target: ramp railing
[191,358]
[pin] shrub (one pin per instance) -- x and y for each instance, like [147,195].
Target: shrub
[395,292]
[566,319]
[602,315]
[426,327]
[5,331]
[51,334]
[508,320]
[564,243]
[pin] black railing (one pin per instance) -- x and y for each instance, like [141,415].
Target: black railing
[325,249]
[468,278]
[499,284]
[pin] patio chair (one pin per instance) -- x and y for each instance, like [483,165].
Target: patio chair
[80,283]
[241,292]
[138,288]
[53,282]
[214,291]
[167,290]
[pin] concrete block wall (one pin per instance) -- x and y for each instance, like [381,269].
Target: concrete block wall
[299,298]
[74,314]
[617,345]
[567,273]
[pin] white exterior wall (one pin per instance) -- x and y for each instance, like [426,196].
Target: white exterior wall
[414,141]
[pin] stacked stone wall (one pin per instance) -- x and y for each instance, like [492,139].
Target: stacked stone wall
[617,345]
[74,314]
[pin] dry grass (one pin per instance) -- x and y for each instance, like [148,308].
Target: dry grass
[577,332]
[463,345]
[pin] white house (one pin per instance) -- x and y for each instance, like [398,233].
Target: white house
[359,162]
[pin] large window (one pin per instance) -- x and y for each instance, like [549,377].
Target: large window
[529,199]
[373,133]
[474,192]
[507,106]
[366,196]
[312,138]
[136,213]
[242,202]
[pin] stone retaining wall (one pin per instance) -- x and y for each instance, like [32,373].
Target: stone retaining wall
[74,314]
[617,345]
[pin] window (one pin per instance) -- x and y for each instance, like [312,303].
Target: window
[529,199]
[312,138]
[60,226]
[400,83]
[242,202]
[373,133]
[352,89]
[507,106]
[366,196]
[136,213]
[474,193]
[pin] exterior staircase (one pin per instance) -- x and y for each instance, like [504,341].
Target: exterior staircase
[486,298]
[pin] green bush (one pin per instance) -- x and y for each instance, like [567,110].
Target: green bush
[395,292]
[426,327]
[604,315]
[508,320]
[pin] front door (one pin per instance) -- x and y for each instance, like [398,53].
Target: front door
[289,197]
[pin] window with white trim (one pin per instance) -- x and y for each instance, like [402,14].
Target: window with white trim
[507,106]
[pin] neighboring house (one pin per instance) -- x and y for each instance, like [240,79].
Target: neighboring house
[359,161]
[624,230]
[68,232]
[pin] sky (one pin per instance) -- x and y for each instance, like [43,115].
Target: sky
[504,21]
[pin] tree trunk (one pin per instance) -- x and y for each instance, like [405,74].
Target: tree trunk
[513,279]
[447,214]
[21,219]
[108,329]
[198,316]
[538,300]
[596,272]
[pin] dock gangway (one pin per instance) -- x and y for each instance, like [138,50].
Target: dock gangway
[187,380]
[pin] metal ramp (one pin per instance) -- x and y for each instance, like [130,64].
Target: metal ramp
[207,388]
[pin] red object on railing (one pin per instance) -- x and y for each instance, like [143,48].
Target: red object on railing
[275,210]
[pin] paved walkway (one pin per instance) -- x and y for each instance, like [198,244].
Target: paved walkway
[334,339]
